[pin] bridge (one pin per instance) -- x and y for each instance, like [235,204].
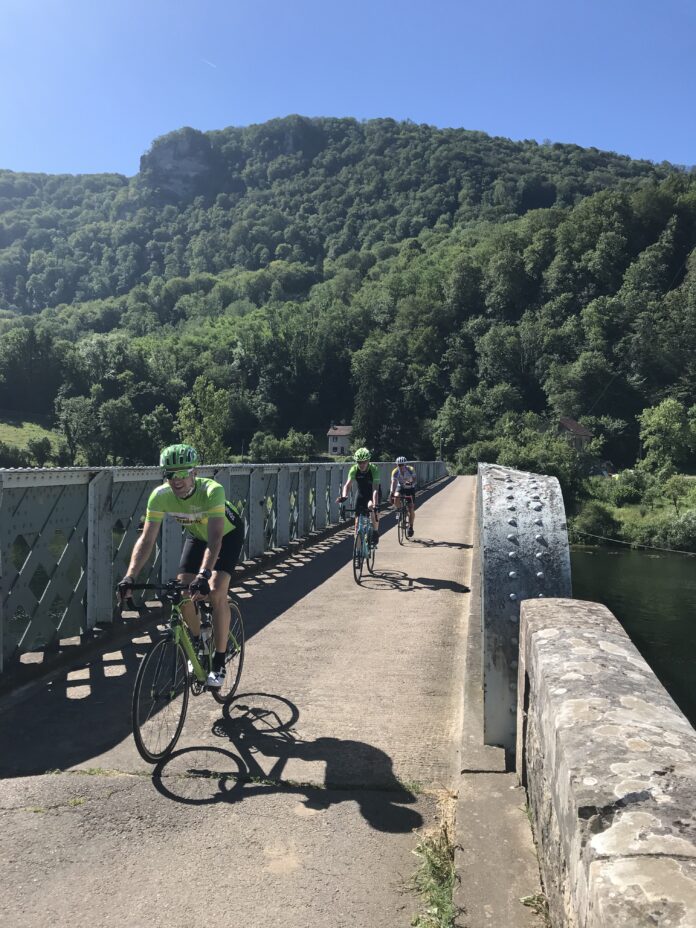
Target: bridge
[459,692]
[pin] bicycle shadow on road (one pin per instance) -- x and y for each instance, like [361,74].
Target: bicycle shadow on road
[399,580]
[259,728]
[431,543]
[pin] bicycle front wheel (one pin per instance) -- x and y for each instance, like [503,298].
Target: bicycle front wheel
[234,660]
[357,556]
[371,558]
[401,526]
[160,700]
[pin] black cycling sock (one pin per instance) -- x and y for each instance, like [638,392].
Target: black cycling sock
[219,660]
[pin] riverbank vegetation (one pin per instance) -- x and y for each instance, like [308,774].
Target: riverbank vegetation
[444,291]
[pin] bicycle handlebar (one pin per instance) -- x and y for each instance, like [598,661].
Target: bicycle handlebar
[171,585]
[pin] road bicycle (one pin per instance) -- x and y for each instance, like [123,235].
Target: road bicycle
[363,548]
[173,667]
[403,521]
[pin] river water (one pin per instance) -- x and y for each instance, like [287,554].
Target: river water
[653,595]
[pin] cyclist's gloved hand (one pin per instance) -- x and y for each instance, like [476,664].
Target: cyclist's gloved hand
[341,499]
[125,588]
[199,585]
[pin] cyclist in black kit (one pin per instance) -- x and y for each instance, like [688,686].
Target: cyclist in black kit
[366,477]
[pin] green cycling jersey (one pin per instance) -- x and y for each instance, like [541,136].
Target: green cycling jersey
[206,502]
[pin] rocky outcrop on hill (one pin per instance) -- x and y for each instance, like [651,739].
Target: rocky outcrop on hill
[182,164]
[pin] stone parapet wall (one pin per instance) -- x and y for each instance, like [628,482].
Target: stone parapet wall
[609,763]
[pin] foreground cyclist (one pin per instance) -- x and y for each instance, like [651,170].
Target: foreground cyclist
[403,489]
[214,538]
[366,476]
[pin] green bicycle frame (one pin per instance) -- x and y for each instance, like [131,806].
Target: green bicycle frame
[181,635]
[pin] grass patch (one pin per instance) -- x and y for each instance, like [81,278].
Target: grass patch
[435,877]
[539,904]
[20,432]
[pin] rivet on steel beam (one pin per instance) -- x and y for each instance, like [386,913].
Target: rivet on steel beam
[513,574]
[510,496]
[513,596]
[538,522]
[540,574]
[538,538]
[539,554]
[514,618]
[537,506]
[512,508]
[512,521]
[535,497]
[514,642]
[512,553]
[540,595]
[512,537]
[513,664]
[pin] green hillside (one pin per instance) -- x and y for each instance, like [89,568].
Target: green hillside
[436,288]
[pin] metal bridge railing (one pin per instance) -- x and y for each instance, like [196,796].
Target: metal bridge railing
[66,535]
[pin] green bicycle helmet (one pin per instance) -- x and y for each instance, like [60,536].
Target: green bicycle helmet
[362,454]
[178,456]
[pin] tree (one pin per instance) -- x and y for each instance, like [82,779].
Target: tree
[665,435]
[202,420]
[40,449]
[676,488]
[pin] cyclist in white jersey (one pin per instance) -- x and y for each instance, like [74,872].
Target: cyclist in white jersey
[403,489]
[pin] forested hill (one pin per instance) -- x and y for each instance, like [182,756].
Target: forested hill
[435,287]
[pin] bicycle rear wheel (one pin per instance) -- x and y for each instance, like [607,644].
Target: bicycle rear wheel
[160,700]
[358,556]
[235,658]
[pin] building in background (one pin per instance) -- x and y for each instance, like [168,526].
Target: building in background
[339,438]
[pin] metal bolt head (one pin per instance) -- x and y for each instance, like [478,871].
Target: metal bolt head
[538,538]
[512,537]
[512,575]
[540,574]
[513,596]
[512,553]
[539,554]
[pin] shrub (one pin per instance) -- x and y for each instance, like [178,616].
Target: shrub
[677,533]
[596,519]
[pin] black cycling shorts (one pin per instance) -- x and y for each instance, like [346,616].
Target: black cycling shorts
[361,504]
[405,492]
[194,549]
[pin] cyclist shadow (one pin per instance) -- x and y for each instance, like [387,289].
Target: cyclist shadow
[260,729]
[399,580]
[431,543]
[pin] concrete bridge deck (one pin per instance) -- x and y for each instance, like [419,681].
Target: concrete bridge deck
[300,805]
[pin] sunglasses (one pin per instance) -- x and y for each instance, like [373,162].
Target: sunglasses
[179,474]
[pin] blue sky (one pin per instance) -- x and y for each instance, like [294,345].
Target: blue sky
[86,85]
